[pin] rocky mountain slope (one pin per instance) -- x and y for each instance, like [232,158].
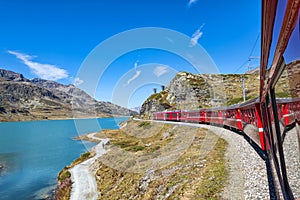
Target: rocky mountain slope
[189,91]
[24,99]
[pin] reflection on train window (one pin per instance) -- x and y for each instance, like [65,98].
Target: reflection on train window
[287,92]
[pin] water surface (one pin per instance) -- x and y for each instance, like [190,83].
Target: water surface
[32,153]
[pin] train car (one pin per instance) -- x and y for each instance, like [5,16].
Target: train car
[193,116]
[159,116]
[173,115]
[210,116]
[231,117]
[203,116]
[215,116]
[288,110]
[251,121]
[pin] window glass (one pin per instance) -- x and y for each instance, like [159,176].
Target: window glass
[287,92]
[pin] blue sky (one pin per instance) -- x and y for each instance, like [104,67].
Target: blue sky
[52,39]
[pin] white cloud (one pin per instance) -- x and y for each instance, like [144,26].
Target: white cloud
[137,74]
[191,2]
[78,81]
[196,36]
[44,71]
[160,70]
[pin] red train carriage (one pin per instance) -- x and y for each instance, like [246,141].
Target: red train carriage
[251,121]
[193,116]
[232,117]
[159,116]
[211,116]
[173,115]
[203,116]
[288,110]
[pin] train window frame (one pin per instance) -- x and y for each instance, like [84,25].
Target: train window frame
[288,61]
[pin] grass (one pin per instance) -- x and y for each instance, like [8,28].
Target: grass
[64,188]
[283,95]
[161,97]
[153,96]
[64,174]
[215,174]
[238,100]
[190,176]
[85,155]
[144,124]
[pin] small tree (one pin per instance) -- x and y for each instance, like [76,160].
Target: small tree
[154,90]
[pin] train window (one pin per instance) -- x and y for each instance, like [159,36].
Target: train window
[287,91]
[277,27]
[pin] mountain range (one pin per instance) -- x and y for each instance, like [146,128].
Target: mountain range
[23,99]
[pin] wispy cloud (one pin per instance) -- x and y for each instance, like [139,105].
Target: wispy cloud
[191,2]
[137,73]
[160,70]
[44,71]
[78,81]
[196,36]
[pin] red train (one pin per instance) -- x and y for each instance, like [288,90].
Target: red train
[244,117]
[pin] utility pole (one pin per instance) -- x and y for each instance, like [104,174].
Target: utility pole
[243,88]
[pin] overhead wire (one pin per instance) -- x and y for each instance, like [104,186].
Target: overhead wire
[251,52]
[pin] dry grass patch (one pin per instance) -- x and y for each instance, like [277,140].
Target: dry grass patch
[192,175]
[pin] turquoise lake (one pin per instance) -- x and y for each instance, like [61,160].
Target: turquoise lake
[32,153]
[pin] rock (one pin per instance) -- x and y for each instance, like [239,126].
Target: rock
[187,91]
[12,76]
[166,135]
[148,145]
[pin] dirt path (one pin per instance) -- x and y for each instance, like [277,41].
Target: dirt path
[84,183]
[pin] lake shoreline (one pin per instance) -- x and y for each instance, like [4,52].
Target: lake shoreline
[38,150]
[62,118]
[80,181]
